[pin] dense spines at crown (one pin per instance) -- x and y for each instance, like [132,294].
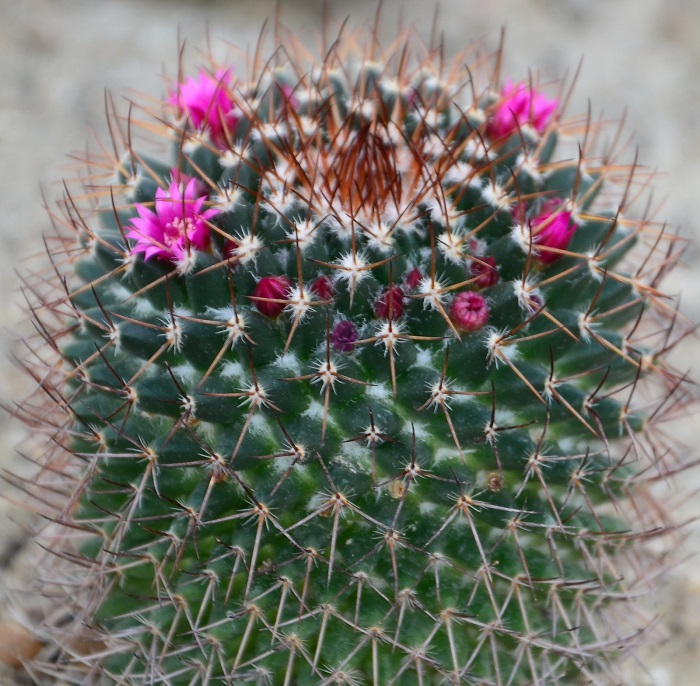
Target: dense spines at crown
[350,379]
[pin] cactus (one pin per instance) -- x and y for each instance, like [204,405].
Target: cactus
[359,382]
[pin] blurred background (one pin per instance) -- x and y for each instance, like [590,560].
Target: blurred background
[640,59]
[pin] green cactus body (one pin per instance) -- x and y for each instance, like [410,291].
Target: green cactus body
[364,412]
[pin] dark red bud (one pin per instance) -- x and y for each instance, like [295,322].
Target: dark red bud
[230,251]
[390,304]
[323,287]
[484,272]
[270,295]
[343,336]
[413,278]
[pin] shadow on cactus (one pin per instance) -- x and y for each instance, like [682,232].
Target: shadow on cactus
[361,382]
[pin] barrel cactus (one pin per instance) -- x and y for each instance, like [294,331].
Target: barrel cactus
[355,377]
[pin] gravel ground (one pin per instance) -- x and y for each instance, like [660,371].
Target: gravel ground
[639,56]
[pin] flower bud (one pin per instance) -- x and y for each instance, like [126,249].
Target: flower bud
[518,107]
[552,228]
[413,278]
[343,336]
[469,311]
[484,272]
[270,295]
[390,304]
[322,286]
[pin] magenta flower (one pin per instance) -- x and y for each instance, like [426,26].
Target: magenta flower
[553,227]
[207,102]
[176,227]
[519,106]
[469,311]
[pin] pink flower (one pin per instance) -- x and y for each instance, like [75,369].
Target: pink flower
[519,106]
[207,103]
[271,295]
[176,226]
[469,311]
[553,227]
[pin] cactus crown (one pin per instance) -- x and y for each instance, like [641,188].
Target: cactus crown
[361,384]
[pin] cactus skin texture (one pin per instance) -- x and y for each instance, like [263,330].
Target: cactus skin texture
[361,382]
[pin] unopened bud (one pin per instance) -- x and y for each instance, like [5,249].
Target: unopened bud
[469,311]
[343,336]
[322,287]
[484,272]
[270,295]
[390,304]
[552,228]
[413,278]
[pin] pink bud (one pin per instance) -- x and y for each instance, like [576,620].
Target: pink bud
[343,336]
[469,311]
[270,295]
[390,303]
[323,287]
[484,272]
[290,99]
[552,228]
[520,106]
[413,278]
